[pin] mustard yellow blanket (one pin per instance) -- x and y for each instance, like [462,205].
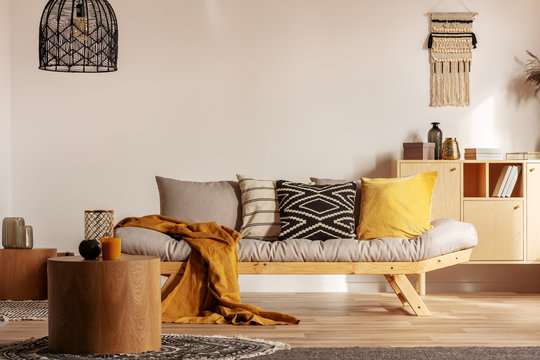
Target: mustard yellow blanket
[208,291]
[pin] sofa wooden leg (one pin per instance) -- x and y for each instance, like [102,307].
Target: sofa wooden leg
[407,294]
[401,297]
[420,283]
[170,284]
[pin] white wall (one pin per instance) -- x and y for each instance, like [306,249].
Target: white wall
[5,110]
[275,88]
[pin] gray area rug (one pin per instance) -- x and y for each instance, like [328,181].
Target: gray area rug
[188,347]
[412,353]
[23,310]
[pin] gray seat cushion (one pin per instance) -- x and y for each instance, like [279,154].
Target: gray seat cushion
[447,236]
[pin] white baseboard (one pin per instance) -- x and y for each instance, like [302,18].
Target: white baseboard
[460,278]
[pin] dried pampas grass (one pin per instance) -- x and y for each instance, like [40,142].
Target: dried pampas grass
[533,71]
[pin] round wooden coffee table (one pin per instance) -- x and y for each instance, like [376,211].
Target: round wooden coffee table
[104,307]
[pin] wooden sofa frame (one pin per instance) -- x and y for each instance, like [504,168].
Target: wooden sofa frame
[394,272]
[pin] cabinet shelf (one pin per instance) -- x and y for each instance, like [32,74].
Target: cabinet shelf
[480,179]
[474,179]
[496,170]
[492,198]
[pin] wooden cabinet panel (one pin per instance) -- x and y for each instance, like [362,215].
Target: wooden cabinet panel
[533,211]
[447,193]
[500,228]
[23,273]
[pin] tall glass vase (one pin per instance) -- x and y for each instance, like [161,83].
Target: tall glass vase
[435,136]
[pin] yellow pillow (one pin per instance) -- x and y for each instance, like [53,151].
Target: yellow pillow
[396,208]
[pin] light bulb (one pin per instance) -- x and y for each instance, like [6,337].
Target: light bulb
[80,28]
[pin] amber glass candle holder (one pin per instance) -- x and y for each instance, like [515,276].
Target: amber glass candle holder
[110,248]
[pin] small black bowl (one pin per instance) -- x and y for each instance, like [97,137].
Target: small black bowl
[90,249]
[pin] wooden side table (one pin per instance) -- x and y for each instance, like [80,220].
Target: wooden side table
[104,307]
[23,273]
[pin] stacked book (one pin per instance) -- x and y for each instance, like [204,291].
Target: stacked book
[483,154]
[507,181]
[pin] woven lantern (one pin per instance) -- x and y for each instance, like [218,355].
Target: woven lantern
[98,224]
[78,36]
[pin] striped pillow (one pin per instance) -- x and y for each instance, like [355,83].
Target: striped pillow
[260,210]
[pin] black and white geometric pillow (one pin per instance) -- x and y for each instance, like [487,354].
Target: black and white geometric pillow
[316,212]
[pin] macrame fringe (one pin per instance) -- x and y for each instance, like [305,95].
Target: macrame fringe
[450,84]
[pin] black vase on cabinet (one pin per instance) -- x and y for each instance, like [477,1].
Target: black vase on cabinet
[435,136]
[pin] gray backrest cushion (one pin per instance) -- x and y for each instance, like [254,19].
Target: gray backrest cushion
[357,199]
[197,202]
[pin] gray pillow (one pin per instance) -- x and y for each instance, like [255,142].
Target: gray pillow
[357,199]
[197,202]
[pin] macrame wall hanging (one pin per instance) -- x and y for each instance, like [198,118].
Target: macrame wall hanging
[451,42]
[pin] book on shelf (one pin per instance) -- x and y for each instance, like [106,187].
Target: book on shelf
[512,180]
[507,181]
[507,185]
[483,151]
[502,181]
[484,157]
[483,154]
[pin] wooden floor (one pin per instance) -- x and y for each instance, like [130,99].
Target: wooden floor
[346,319]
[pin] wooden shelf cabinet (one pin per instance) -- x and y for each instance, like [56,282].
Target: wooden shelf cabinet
[532,174]
[508,228]
[449,180]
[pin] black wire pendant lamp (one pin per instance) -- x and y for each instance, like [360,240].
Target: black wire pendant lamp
[78,36]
